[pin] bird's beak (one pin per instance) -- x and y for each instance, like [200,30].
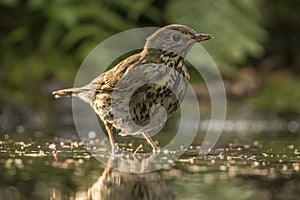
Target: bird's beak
[199,37]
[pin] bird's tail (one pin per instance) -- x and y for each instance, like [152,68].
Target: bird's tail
[67,92]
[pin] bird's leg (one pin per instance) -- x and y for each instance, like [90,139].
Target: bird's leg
[110,135]
[150,141]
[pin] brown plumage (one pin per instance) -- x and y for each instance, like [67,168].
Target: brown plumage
[154,78]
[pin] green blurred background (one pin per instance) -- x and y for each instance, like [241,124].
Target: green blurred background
[44,42]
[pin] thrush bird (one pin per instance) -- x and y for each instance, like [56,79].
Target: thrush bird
[142,84]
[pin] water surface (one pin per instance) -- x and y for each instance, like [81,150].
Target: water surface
[265,166]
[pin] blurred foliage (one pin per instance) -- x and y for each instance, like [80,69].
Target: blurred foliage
[281,20]
[280,93]
[236,26]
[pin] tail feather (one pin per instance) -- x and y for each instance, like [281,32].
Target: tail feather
[66,92]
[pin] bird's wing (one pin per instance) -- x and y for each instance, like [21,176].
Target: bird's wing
[107,80]
[117,79]
[128,74]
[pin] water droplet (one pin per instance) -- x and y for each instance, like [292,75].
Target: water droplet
[52,146]
[223,168]
[293,126]
[165,151]
[20,129]
[92,134]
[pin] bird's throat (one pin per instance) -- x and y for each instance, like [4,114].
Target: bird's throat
[171,59]
[168,58]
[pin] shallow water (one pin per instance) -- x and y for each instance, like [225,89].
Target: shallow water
[264,167]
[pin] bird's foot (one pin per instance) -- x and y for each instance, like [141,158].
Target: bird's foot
[115,148]
[155,150]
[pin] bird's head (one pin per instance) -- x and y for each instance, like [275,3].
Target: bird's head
[175,38]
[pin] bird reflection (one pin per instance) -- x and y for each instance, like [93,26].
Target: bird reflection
[117,185]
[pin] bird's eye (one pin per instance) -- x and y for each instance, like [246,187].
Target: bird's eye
[176,37]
